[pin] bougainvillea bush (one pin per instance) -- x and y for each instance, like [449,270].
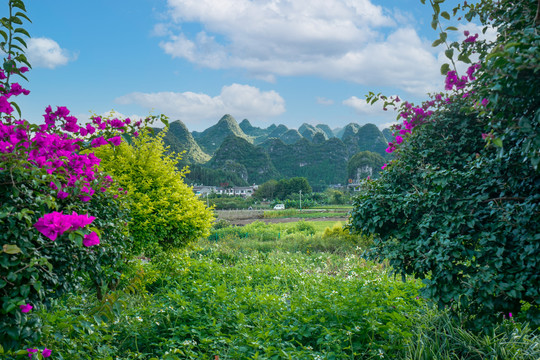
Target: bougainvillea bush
[459,206]
[62,221]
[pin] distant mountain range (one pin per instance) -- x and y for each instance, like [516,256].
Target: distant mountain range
[243,154]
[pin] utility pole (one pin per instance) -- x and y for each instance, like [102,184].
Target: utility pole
[300,200]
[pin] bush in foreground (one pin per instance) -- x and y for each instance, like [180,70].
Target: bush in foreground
[165,211]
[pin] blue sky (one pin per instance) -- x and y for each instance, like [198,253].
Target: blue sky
[270,61]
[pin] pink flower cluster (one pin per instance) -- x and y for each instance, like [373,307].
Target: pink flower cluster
[470,39]
[54,224]
[413,116]
[417,115]
[26,308]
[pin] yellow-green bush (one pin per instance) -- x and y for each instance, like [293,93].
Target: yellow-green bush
[165,211]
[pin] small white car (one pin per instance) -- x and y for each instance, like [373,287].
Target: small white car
[279,207]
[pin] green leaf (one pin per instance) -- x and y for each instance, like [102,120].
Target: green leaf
[445,15]
[445,68]
[451,28]
[22,31]
[437,43]
[16,20]
[19,4]
[512,44]
[443,36]
[498,142]
[23,15]
[19,39]
[16,108]
[434,24]
[449,53]
[11,249]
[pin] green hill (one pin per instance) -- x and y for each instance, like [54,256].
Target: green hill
[179,139]
[245,154]
[370,138]
[365,138]
[210,139]
[291,136]
[326,130]
[348,131]
[388,135]
[248,161]
[309,131]
[321,164]
[278,131]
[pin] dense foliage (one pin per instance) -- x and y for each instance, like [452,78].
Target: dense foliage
[165,211]
[282,189]
[459,206]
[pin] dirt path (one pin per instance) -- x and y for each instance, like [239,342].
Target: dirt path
[285,220]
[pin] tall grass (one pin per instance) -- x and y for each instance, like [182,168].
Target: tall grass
[439,336]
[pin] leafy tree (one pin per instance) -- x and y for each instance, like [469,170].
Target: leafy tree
[266,190]
[459,205]
[165,211]
[287,187]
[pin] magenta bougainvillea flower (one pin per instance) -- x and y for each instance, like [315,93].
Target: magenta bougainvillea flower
[26,308]
[97,142]
[31,352]
[53,224]
[62,195]
[46,353]
[79,221]
[91,239]
[115,140]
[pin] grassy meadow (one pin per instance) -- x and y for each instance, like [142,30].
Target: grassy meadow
[279,291]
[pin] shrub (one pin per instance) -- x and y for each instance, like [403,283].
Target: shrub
[165,211]
[459,206]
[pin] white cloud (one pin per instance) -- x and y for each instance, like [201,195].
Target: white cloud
[362,107]
[324,101]
[201,110]
[45,52]
[372,113]
[337,39]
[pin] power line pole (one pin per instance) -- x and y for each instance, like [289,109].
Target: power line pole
[300,200]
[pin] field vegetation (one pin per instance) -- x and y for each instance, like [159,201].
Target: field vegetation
[281,291]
